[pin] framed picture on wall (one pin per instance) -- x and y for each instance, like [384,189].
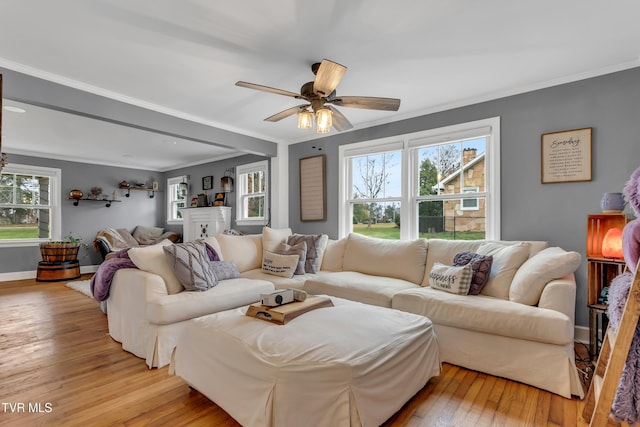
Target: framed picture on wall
[220,199]
[566,156]
[313,192]
[207,182]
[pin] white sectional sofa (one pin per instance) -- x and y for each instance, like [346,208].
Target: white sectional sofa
[519,327]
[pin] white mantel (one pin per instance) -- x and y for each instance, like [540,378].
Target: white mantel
[199,223]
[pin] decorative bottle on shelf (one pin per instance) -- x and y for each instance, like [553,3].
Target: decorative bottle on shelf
[612,203]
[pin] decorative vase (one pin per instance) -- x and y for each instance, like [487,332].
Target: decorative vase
[612,203]
[76,194]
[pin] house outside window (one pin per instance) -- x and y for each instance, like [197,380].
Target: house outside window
[252,193]
[29,205]
[176,199]
[445,184]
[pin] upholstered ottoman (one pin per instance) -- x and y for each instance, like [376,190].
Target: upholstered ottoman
[348,365]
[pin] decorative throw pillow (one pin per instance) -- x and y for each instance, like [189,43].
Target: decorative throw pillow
[313,249]
[506,261]
[540,269]
[480,265]
[455,280]
[147,235]
[278,264]
[152,259]
[191,265]
[225,270]
[299,249]
[272,237]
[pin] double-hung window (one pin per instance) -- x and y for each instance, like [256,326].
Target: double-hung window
[29,205]
[176,199]
[439,183]
[252,193]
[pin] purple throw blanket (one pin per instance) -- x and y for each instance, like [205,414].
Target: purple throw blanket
[626,404]
[101,281]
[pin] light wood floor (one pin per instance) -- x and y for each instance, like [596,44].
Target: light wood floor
[57,357]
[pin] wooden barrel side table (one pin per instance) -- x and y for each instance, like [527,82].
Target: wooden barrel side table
[57,271]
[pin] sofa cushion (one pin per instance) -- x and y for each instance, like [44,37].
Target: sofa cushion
[488,315]
[279,264]
[399,259]
[506,261]
[314,246]
[152,259]
[444,251]
[272,237]
[228,294]
[245,251]
[147,235]
[531,278]
[354,286]
[454,279]
[299,249]
[225,270]
[295,282]
[191,265]
[481,267]
[334,255]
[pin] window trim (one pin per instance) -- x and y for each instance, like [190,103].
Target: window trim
[410,164]
[170,182]
[261,166]
[55,175]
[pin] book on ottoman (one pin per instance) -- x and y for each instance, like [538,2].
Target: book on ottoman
[284,313]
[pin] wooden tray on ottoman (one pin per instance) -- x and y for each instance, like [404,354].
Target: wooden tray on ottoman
[284,313]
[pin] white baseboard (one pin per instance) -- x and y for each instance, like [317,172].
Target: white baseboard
[581,334]
[22,275]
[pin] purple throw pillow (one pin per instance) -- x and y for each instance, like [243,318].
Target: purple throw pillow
[480,265]
[213,255]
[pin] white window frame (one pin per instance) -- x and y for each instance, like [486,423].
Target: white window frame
[171,182]
[241,170]
[476,207]
[55,225]
[411,143]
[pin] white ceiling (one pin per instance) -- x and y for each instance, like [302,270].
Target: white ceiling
[182,57]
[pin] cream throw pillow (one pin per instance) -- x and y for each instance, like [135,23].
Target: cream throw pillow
[279,265]
[455,280]
[272,237]
[333,255]
[506,261]
[152,259]
[548,264]
[213,242]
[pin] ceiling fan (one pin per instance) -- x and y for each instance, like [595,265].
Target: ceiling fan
[320,94]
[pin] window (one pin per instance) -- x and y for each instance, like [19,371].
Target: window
[176,199]
[252,191]
[440,183]
[29,205]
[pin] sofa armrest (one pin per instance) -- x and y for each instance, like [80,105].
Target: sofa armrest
[560,295]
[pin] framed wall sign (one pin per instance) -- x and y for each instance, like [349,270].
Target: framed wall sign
[566,156]
[207,182]
[313,193]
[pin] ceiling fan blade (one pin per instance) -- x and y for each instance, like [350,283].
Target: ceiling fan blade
[328,77]
[367,102]
[267,89]
[285,113]
[340,122]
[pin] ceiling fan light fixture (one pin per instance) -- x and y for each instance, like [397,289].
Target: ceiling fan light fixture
[324,120]
[305,119]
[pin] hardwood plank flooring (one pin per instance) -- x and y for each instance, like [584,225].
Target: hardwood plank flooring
[59,367]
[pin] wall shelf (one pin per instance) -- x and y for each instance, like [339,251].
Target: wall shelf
[149,189]
[107,202]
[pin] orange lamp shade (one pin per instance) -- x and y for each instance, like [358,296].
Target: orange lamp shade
[612,244]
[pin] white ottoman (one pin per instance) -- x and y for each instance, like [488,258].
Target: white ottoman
[348,365]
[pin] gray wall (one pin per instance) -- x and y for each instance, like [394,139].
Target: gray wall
[217,169]
[87,218]
[609,104]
